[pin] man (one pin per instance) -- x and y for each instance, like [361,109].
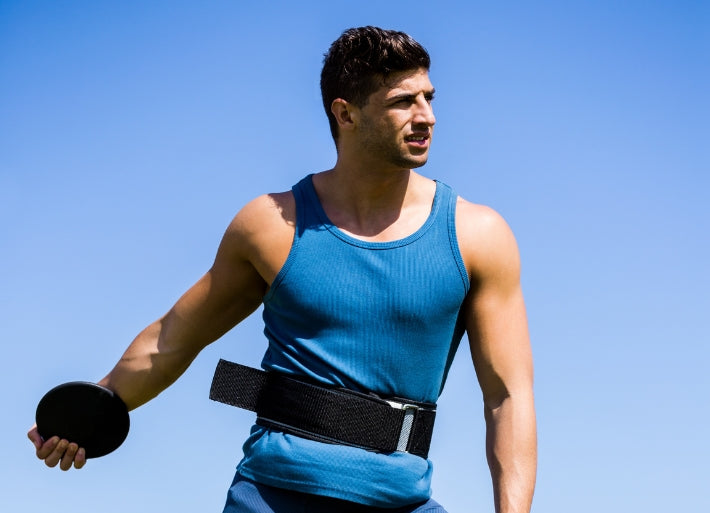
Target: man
[369,274]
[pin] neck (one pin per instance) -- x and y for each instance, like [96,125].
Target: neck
[370,184]
[369,203]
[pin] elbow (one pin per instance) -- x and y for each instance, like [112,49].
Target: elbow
[501,395]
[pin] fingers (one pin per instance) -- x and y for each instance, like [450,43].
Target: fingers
[68,457]
[80,458]
[47,447]
[59,452]
[53,451]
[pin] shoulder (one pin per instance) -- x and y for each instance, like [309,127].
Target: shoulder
[264,224]
[487,244]
[265,212]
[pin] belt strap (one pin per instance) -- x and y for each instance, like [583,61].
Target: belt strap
[327,414]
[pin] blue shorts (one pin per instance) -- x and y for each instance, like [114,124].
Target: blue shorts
[246,496]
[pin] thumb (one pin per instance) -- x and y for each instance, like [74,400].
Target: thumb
[35,437]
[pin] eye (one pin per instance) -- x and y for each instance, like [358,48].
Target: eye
[408,100]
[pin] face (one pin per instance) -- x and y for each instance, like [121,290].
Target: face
[397,122]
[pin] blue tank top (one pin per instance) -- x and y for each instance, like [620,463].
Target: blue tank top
[377,317]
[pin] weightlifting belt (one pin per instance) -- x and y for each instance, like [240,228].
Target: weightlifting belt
[327,414]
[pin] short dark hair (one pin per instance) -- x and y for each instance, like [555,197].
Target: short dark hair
[359,62]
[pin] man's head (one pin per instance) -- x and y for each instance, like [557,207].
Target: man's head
[360,61]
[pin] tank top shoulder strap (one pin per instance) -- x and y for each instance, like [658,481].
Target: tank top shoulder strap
[447,216]
[444,202]
[307,205]
[445,209]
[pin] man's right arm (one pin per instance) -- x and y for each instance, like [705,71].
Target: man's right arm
[229,292]
[224,296]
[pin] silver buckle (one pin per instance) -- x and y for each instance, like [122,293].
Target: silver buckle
[407,422]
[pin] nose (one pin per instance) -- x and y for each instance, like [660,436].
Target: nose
[424,113]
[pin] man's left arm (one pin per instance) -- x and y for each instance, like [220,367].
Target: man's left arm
[497,330]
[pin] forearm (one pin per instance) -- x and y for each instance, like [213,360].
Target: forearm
[511,447]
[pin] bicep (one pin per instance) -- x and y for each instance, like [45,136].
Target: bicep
[229,292]
[252,250]
[496,325]
[216,303]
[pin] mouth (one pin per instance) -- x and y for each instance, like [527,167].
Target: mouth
[419,139]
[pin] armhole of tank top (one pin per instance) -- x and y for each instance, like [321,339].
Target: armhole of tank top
[299,199]
[453,240]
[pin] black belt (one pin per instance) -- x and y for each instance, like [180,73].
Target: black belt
[327,414]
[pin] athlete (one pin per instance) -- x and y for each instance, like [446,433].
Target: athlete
[369,274]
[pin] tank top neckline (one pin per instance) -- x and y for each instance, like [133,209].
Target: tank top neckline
[325,221]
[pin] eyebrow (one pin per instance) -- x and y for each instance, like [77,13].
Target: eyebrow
[403,96]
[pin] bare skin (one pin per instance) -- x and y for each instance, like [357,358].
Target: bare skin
[373,194]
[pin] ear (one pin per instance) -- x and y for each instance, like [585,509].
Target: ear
[345,114]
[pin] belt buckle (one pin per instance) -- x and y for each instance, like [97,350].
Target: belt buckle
[405,431]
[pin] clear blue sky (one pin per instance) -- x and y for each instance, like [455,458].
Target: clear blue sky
[132,132]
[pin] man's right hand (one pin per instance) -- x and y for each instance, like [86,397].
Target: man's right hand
[55,451]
